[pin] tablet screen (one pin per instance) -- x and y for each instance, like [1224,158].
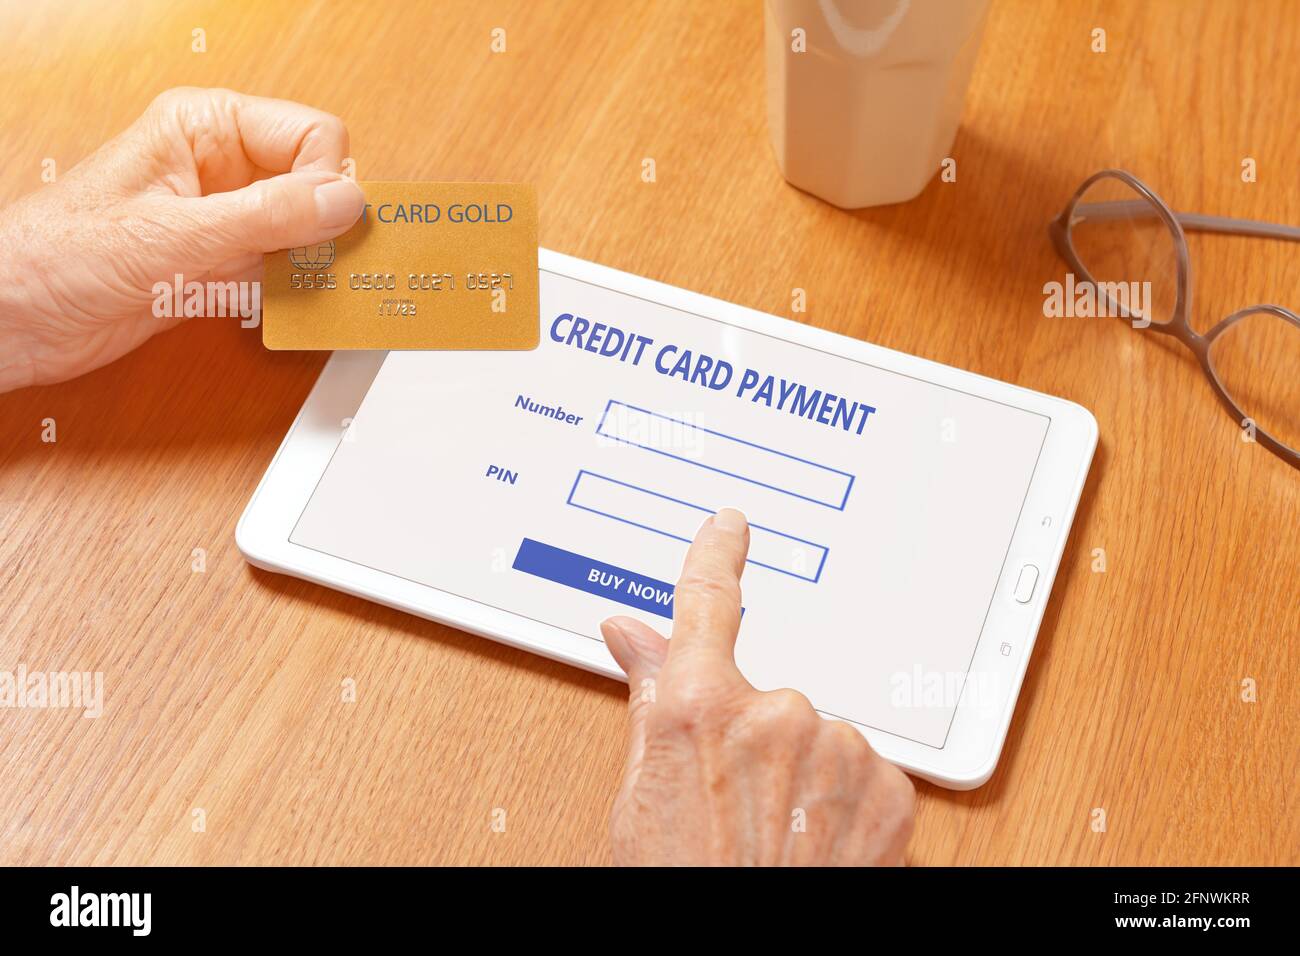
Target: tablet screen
[564,485]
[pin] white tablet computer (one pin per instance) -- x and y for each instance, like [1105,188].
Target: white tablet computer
[907,518]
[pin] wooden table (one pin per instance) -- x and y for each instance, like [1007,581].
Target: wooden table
[223,686]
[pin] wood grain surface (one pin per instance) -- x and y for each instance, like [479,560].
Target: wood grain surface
[222,688]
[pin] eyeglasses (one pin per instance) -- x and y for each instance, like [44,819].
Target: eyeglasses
[1129,247]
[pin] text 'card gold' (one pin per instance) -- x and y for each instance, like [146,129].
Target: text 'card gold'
[428,266]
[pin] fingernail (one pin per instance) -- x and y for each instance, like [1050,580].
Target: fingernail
[729,519]
[611,626]
[338,204]
[650,651]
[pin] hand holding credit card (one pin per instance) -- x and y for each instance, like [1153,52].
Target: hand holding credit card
[428,266]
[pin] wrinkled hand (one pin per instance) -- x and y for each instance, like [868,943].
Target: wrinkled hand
[721,773]
[202,184]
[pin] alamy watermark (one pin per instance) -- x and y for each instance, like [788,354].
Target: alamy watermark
[678,434]
[179,298]
[133,911]
[921,689]
[22,689]
[1086,300]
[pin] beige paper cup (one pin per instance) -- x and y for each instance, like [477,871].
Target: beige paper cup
[864,96]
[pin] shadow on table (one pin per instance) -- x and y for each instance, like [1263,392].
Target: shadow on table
[393,620]
[204,394]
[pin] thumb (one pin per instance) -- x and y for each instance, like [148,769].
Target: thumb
[641,651]
[293,209]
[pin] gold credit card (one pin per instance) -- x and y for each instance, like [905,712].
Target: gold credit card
[428,266]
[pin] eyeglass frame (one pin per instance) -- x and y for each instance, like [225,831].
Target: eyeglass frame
[1178,325]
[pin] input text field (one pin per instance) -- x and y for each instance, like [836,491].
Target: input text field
[674,518]
[726,454]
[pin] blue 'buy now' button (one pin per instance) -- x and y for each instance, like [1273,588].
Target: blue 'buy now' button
[595,577]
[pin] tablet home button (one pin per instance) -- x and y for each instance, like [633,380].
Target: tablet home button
[1025,583]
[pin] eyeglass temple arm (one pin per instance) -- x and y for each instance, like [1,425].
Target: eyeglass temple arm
[1190,220]
[1237,227]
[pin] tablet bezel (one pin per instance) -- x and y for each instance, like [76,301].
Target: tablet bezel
[1001,656]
